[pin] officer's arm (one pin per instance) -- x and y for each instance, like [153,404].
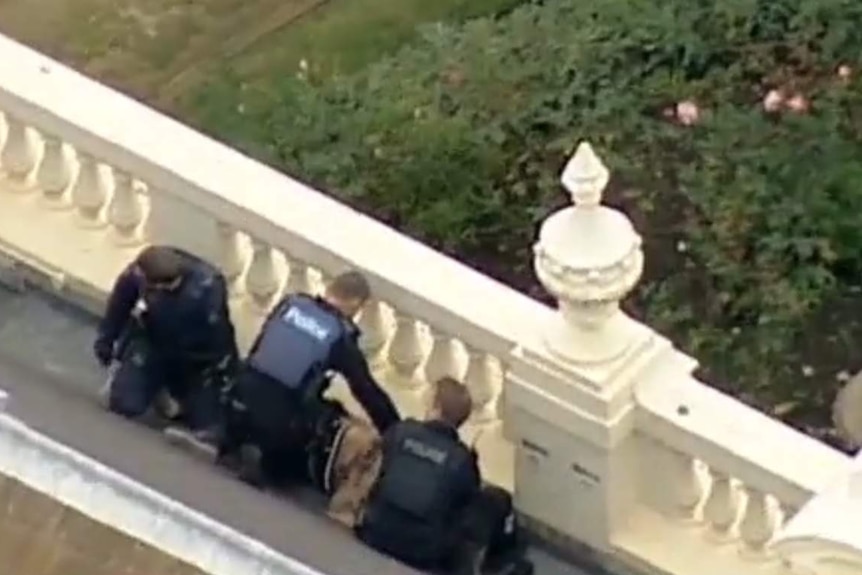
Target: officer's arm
[351,363]
[471,479]
[125,294]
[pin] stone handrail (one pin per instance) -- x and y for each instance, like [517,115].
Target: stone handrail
[722,465]
[121,166]
[737,439]
[179,161]
[115,500]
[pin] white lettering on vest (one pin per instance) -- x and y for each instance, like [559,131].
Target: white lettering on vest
[306,324]
[437,456]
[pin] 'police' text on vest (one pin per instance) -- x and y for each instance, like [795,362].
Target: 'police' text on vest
[425,451]
[306,323]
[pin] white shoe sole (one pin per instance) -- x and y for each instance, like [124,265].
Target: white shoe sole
[184,440]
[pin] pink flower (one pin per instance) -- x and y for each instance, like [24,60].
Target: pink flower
[798,103]
[687,113]
[773,101]
[844,71]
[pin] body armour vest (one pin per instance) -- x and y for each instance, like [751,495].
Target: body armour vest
[178,317]
[296,342]
[417,479]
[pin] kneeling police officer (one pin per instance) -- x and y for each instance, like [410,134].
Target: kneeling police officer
[167,328]
[278,392]
[428,507]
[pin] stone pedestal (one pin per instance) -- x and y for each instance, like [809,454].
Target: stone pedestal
[569,394]
[576,464]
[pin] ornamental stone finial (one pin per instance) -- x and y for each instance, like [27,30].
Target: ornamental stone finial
[589,257]
[585,176]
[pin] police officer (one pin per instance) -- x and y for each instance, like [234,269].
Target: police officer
[166,328]
[278,393]
[428,507]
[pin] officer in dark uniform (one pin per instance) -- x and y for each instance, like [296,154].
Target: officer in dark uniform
[278,393]
[428,507]
[167,328]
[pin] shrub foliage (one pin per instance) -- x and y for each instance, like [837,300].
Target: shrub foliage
[751,219]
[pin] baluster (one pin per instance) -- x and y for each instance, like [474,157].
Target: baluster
[91,191]
[406,351]
[262,281]
[760,521]
[374,327]
[684,490]
[56,173]
[126,210]
[444,360]
[299,278]
[232,258]
[484,379]
[3,131]
[20,155]
[721,510]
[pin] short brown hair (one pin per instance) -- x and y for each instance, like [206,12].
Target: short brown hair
[160,264]
[350,285]
[452,399]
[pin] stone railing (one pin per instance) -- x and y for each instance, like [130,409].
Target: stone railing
[86,486]
[104,175]
[609,442]
[723,474]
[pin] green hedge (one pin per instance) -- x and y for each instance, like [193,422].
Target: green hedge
[751,221]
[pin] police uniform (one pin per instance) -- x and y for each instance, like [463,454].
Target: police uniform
[427,478]
[428,507]
[167,340]
[278,392]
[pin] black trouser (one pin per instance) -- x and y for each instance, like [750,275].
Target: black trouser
[264,413]
[142,372]
[490,525]
[486,527]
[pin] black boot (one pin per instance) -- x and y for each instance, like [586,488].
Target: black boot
[250,466]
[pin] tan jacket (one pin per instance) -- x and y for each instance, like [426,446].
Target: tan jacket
[356,466]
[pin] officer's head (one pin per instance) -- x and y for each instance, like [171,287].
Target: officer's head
[451,403]
[348,292]
[161,267]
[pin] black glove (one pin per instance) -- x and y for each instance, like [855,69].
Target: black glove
[104,352]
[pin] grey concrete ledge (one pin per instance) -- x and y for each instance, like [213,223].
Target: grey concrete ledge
[106,496]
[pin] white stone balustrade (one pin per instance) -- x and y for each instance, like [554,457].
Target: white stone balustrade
[609,442]
[99,198]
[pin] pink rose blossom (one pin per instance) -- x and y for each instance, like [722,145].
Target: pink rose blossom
[798,103]
[773,101]
[687,113]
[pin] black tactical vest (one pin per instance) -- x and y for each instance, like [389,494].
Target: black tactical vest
[419,478]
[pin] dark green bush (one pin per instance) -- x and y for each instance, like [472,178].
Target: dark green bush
[751,220]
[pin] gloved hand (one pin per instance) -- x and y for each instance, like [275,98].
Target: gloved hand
[104,352]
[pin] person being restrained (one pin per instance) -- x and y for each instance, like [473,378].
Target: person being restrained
[167,329]
[278,393]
